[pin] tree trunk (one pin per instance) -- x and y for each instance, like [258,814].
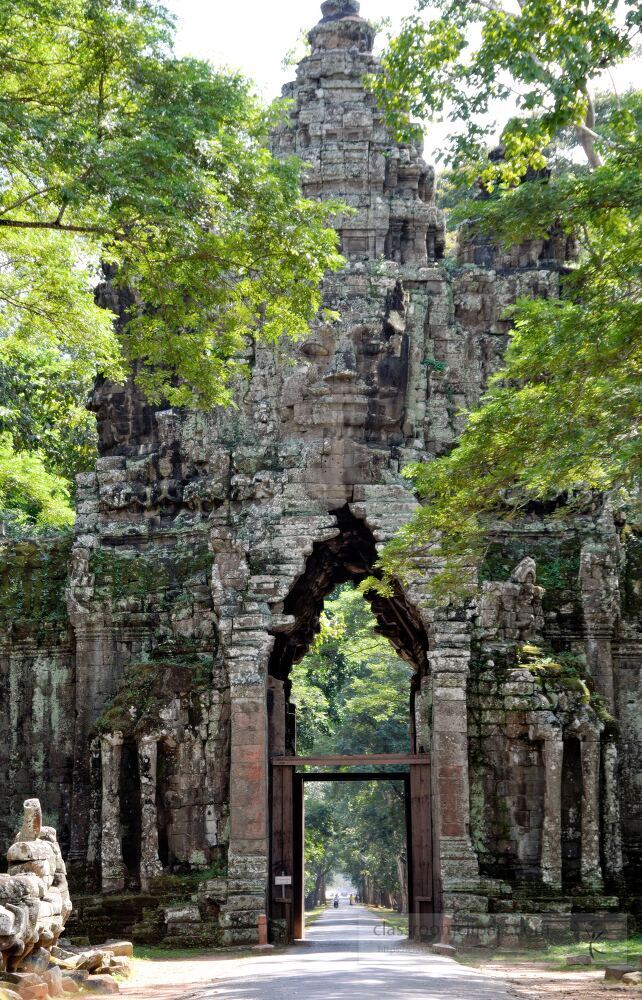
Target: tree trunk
[318,887]
[586,135]
[402,870]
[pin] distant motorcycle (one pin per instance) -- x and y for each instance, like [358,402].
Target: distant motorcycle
[336,904]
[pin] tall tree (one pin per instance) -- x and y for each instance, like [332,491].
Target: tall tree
[563,416]
[113,150]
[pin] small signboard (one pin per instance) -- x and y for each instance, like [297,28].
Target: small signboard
[283,880]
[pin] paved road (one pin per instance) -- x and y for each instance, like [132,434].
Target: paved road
[348,956]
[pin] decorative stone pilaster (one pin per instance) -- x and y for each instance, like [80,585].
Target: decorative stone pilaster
[449,659]
[95,816]
[249,850]
[150,864]
[591,864]
[113,869]
[611,827]
[600,585]
[551,854]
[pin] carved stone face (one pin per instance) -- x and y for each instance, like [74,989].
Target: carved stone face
[350,381]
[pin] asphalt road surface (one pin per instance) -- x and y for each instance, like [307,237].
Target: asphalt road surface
[350,954]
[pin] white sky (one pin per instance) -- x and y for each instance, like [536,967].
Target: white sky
[254,36]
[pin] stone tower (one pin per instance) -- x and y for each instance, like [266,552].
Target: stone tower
[153,655]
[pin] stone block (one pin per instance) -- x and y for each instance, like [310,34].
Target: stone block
[101,985]
[615,973]
[120,948]
[53,978]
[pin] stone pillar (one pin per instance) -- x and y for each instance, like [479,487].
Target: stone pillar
[457,863]
[93,667]
[611,826]
[551,854]
[113,868]
[249,850]
[150,865]
[591,865]
[92,880]
[599,581]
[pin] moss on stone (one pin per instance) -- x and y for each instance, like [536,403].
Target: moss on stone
[165,575]
[558,563]
[146,688]
[633,577]
[33,581]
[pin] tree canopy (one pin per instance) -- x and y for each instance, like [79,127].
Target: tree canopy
[563,416]
[115,151]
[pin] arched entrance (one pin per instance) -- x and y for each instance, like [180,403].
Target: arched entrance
[348,557]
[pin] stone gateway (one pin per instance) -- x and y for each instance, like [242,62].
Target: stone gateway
[144,664]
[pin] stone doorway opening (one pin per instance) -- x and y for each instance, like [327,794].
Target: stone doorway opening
[344,561]
[130,813]
[287,904]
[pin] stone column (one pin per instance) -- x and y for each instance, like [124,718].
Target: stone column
[249,849]
[93,669]
[449,663]
[551,854]
[611,827]
[591,865]
[150,865]
[95,816]
[113,868]
[599,581]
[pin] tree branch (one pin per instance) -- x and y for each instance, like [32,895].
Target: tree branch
[27,197]
[587,136]
[58,227]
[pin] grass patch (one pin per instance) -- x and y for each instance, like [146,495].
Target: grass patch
[398,921]
[623,952]
[312,915]
[154,953]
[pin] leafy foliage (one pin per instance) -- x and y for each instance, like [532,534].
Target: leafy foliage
[562,418]
[43,394]
[114,151]
[465,58]
[113,147]
[29,495]
[352,691]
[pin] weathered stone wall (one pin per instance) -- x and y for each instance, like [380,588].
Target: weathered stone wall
[206,544]
[37,683]
[627,664]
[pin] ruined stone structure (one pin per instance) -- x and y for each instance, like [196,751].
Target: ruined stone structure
[34,896]
[144,663]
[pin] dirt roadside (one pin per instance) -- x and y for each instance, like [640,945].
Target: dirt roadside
[530,982]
